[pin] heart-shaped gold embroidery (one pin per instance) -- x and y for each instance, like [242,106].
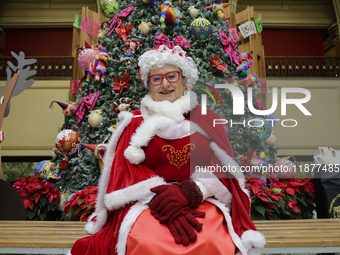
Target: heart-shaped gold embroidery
[178,157]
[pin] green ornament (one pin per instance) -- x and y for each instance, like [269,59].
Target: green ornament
[109,7]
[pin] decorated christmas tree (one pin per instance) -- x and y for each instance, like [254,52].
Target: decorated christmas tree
[113,84]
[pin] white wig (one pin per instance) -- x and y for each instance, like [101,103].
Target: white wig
[170,55]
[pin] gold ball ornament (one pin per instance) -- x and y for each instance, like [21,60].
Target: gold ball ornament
[95,118]
[193,12]
[101,34]
[144,27]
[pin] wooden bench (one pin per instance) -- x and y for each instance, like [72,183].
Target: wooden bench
[57,237]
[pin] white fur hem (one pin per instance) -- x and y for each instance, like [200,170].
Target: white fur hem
[92,227]
[126,226]
[226,160]
[136,192]
[253,241]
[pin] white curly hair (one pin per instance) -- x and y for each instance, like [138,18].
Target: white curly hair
[167,55]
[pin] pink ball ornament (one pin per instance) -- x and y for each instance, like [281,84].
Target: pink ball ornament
[284,168]
[67,141]
[85,57]
[257,167]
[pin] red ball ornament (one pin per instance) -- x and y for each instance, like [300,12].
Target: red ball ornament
[67,141]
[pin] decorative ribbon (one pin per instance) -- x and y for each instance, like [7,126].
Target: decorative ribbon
[86,102]
[229,45]
[162,39]
[116,20]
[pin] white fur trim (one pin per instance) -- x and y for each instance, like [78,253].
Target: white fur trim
[215,187]
[226,212]
[253,241]
[134,155]
[226,160]
[158,118]
[125,118]
[138,191]
[126,226]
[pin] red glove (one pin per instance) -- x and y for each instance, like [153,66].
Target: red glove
[183,226]
[170,199]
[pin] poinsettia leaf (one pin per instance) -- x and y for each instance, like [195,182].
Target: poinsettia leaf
[257,216]
[276,208]
[302,200]
[28,204]
[43,200]
[43,215]
[281,203]
[261,209]
[285,211]
[30,214]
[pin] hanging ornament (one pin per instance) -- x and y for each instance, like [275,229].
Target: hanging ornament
[53,174]
[169,14]
[216,62]
[246,161]
[67,141]
[42,168]
[272,119]
[121,82]
[218,8]
[68,110]
[123,31]
[122,104]
[109,7]
[284,168]
[101,34]
[98,150]
[86,56]
[271,141]
[144,27]
[257,167]
[258,129]
[242,70]
[130,50]
[149,2]
[200,30]
[246,58]
[193,12]
[95,118]
[97,68]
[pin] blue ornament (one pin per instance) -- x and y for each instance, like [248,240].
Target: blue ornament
[272,118]
[200,30]
[258,129]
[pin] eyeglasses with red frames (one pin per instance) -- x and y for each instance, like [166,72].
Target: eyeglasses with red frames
[171,77]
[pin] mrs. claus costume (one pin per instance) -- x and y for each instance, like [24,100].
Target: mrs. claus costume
[164,142]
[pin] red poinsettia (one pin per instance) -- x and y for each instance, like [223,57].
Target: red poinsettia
[123,30]
[81,204]
[246,161]
[35,193]
[121,82]
[256,189]
[216,62]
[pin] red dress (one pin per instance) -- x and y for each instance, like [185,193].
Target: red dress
[175,160]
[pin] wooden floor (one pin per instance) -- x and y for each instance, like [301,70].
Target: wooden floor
[62,234]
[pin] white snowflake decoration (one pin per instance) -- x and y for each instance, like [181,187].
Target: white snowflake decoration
[247,29]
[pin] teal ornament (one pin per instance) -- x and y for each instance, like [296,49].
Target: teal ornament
[109,8]
[200,30]
[258,129]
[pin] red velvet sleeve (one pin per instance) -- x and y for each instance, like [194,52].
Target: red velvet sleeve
[123,173]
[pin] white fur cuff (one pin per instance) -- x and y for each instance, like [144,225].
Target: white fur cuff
[253,241]
[134,155]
